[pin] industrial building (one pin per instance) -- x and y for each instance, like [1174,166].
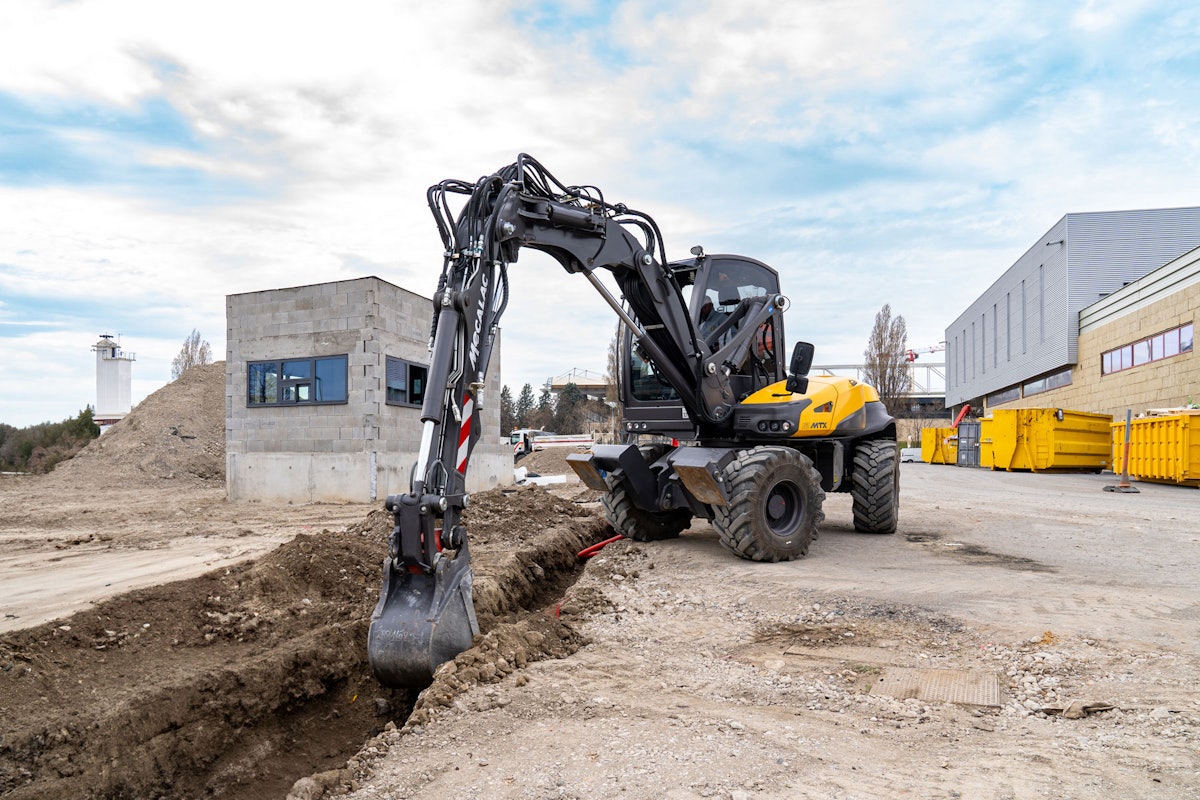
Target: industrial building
[323,388]
[1097,315]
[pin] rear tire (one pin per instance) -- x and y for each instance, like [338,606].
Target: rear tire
[637,523]
[876,487]
[774,505]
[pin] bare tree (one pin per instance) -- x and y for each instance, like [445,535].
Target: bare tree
[610,374]
[195,351]
[887,360]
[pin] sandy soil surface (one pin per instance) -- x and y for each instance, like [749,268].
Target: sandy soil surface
[1021,636]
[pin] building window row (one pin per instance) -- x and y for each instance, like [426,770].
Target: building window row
[405,382]
[1152,348]
[1004,396]
[297,381]
[1047,382]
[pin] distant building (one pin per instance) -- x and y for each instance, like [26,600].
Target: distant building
[114,376]
[591,384]
[1097,315]
[323,388]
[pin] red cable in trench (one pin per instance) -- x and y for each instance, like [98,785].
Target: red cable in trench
[588,552]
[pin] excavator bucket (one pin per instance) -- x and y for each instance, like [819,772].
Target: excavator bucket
[421,620]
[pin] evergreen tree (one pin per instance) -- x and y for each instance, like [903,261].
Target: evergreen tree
[524,406]
[508,411]
[569,410]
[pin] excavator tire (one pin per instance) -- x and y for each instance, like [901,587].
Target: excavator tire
[876,487]
[637,523]
[775,505]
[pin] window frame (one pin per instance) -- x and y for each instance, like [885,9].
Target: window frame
[299,383]
[408,381]
[1166,344]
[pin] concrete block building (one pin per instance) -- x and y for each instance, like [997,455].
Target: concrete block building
[323,387]
[1098,315]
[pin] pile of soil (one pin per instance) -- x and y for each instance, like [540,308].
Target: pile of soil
[551,461]
[176,434]
[239,682]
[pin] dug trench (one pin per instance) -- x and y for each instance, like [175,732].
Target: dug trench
[240,682]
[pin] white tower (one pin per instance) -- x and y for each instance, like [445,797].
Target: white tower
[114,374]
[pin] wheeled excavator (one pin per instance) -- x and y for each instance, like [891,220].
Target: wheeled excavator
[716,425]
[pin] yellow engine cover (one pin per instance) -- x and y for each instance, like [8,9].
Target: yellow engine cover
[835,401]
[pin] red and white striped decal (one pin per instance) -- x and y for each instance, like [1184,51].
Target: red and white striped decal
[464,433]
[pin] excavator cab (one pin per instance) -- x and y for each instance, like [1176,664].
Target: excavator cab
[717,289]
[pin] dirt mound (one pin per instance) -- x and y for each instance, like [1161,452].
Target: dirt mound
[239,682]
[175,434]
[551,461]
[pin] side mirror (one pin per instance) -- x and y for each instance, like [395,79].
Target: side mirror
[802,358]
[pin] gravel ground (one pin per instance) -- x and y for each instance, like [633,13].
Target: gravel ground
[707,676]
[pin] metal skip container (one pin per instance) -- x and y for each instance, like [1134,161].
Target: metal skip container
[939,445]
[1045,439]
[1165,449]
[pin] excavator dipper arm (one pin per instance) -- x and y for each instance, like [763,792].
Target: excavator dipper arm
[425,614]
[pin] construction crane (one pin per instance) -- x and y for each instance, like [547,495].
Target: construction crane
[914,353]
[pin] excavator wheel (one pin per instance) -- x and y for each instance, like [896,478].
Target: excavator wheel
[875,487]
[775,505]
[637,523]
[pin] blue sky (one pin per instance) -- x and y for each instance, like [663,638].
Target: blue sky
[155,157]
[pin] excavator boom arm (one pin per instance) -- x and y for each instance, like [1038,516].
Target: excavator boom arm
[427,579]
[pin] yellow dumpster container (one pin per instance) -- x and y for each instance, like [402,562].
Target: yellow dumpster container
[939,445]
[1045,439]
[1165,449]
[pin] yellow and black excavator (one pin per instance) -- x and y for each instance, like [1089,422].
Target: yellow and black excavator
[759,443]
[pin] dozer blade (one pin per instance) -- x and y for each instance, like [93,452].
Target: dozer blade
[421,621]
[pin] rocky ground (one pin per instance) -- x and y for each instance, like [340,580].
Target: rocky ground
[1021,636]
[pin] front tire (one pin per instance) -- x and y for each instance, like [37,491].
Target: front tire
[637,523]
[876,487]
[774,505]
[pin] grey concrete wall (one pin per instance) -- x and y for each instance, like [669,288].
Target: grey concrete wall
[355,451]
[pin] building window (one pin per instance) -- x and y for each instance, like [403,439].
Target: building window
[405,382]
[1048,382]
[1004,396]
[1154,348]
[296,381]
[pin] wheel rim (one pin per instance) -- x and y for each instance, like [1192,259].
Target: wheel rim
[783,508]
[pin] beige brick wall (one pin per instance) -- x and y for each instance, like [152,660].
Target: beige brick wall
[1159,384]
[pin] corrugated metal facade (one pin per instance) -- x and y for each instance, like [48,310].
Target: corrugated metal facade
[1027,323]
